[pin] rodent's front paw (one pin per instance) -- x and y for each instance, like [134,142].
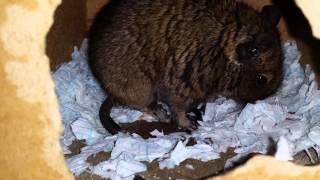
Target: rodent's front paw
[185,123]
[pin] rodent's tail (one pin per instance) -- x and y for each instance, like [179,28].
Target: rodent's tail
[105,118]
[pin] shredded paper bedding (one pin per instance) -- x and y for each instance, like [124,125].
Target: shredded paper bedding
[291,118]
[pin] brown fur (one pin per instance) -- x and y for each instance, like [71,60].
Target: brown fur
[184,51]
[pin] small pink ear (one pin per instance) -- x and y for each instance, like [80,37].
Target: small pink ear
[271,14]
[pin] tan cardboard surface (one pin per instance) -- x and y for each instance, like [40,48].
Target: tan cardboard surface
[29,118]
[311,10]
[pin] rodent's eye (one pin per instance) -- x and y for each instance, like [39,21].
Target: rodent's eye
[246,50]
[252,51]
[261,79]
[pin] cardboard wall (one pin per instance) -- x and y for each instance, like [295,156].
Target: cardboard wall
[30,123]
[72,20]
[68,30]
[93,6]
[311,10]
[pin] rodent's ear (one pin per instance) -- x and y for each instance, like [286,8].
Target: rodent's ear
[271,14]
[244,13]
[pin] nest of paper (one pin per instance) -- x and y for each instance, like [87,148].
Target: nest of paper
[291,118]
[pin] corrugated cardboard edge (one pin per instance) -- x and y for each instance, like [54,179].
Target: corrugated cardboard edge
[30,123]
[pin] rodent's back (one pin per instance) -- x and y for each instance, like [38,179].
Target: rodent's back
[189,48]
[182,52]
[153,37]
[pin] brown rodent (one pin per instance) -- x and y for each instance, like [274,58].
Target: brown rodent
[182,52]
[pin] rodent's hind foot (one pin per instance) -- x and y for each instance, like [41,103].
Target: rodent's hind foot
[160,111]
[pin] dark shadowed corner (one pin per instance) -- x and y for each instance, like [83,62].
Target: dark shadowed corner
[67,31]
[300,29]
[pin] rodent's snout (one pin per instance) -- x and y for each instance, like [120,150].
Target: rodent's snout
[258,86]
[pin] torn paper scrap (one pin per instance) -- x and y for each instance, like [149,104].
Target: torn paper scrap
[283,150]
